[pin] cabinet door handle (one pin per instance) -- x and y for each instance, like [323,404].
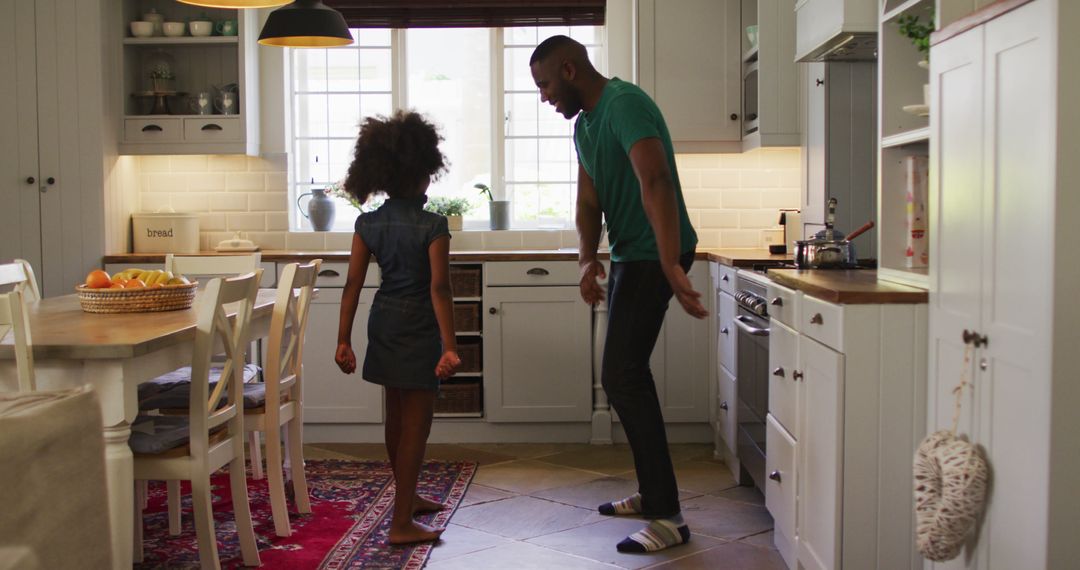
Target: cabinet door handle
[724,330]
[816,319]
[723,405]
[50,181]
[777,302]
[152,129]
[211,127]
[538,271]
[973,337]
[819,82]
[734,117]
[329,273]
[775,476]
[725,278]
[778,371]
[796,375]
[492,311]
[30,180]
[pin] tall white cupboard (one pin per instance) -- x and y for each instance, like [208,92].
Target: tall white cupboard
[1004,163]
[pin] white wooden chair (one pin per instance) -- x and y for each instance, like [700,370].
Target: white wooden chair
[212,265]
[174,448]
[13,317]
[283,376]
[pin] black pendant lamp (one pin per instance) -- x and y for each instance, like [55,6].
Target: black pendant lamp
[240,4]
[305,23]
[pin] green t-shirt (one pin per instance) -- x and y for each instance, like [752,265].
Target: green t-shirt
[623,116]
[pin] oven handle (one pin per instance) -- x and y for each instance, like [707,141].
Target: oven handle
[743,322]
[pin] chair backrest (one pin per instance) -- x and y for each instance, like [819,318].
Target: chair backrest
[212,265]
[213,326]
[287,329]
[21,275]
[13,317]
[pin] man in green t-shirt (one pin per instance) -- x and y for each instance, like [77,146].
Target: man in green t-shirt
[626,172]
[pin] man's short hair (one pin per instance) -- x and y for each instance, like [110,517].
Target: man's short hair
[553,44]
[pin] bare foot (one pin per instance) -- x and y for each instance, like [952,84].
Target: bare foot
[413,532]
[422,505]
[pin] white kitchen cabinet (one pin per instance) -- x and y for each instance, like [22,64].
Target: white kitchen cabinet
[53,147]
[537,355]
[820,474]
[823,24]
[680,360]
[726,403]
[846,401]
[199,64]
[688,61]
[770,77]
[331,396]
[1003,188]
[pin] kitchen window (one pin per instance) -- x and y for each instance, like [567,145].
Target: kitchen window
[474,84]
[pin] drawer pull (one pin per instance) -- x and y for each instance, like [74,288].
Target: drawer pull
[723,405]
[724,330]
[152,129]
[540,271]
[492,311]
[777,302]
[775,476]
[796,375]
[779,371]
[211,127]
[329,273]
[725,278]
[816,319]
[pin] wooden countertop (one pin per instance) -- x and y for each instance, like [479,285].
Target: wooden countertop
[853,287]
[732,257]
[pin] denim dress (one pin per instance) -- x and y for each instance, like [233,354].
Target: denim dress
[404,344]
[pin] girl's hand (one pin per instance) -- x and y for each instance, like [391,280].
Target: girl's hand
[345,358]
[448,364]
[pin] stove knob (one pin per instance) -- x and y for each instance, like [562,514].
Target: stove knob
[777,302]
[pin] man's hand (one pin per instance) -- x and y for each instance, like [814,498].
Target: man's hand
[448,364]
[345,358]
[591,291]
[684,292]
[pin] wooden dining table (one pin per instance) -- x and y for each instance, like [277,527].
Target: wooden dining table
[114,353]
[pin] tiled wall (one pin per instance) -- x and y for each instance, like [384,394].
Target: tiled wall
[733,200]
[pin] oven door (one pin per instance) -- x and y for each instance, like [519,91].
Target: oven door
[752,345]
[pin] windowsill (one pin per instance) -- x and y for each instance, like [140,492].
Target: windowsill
[463,240]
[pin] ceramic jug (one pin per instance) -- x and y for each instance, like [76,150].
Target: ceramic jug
[320,209]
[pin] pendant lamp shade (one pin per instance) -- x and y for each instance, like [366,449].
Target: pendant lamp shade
[236,3]
[305,23]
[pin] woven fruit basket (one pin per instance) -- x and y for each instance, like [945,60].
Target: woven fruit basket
[142,300]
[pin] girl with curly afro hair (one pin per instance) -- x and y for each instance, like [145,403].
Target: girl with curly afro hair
[411,342]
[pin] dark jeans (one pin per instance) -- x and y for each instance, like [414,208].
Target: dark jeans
[638,295]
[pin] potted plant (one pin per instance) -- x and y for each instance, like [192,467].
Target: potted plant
[452,208]
[498,209]
[918,31]
[337,190]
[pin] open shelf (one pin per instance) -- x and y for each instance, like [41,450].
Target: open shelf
[915,136]
[463,415]
[895,9]
[917,277]
[182,40]
[468,299]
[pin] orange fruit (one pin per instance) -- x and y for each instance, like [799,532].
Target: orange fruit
[134,284]
[98,279]
[116,286]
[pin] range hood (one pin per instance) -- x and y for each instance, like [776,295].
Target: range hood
[836,30]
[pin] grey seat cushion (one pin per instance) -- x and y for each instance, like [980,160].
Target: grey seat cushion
[173,390]
[158,434]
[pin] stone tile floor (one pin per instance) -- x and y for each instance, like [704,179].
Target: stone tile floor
[533,506]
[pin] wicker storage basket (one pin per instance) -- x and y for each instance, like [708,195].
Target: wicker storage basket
[470,356]
[143,300]
[465,280]
[458,398]
[467,317]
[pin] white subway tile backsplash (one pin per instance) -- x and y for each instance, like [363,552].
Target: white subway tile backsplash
[227,163]
[222,202]
[732,200]
[245,222]
[245,182]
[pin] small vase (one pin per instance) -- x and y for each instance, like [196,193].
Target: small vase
[454,223]
[320,209]
[500,214]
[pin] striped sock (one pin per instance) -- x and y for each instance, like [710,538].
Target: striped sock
[660,534]
[628,506]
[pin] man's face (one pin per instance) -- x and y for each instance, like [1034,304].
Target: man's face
[553,79]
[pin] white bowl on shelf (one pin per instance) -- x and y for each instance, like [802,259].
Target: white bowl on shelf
[142,29]
[173,29]
[200,28]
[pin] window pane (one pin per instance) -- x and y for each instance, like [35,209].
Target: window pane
[521,114]
[446,84]
[311,161]
[342,69]
[344,115]
[555,162]
[341,153]
[309,69]
[309,116]
[588,35]
[375,66]
[526,203]
[375,104]
[550,123]
[520,36]
[521,161]
[516,68]
[371,37]
[555,205]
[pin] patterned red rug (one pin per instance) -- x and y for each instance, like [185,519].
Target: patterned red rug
[351,502]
